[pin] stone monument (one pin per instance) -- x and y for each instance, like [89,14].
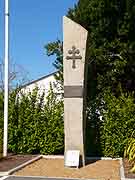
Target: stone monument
[74,47]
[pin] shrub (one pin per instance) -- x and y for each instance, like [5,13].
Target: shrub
[53,126]
[130,151]
[118,123]
[35,126]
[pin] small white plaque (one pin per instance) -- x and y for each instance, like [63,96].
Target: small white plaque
[72,158]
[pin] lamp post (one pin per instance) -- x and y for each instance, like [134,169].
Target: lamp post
[6,84]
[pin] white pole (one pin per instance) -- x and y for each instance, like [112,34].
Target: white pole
[6,88]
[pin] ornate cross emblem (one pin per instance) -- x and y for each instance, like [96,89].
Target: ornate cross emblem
[74,55]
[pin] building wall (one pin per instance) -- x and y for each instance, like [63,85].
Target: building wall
[43,85]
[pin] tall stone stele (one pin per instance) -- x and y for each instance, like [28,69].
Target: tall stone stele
[74,47]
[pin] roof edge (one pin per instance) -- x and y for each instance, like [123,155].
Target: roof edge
[39,79]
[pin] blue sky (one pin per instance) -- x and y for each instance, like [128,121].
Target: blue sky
[33,23]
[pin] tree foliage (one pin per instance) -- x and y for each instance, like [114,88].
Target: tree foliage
[56,48]
[111,55]
[111,40]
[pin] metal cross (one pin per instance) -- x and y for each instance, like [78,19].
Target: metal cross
[74,55]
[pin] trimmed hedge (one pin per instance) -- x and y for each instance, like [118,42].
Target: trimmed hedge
[35,126]
[38,127]
[118,123]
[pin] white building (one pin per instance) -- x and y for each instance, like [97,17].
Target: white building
[43,84]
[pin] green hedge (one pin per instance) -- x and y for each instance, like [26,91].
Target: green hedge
[38,127]
[118,123]
[35,126]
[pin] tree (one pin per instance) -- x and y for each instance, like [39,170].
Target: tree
[110,50]
[111,40]
[56,48]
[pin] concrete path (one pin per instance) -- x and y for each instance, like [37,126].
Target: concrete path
[33,178]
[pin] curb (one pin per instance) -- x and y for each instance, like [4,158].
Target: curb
[122,175]
[52,157]
[4,177]
[57,178]
[102,158]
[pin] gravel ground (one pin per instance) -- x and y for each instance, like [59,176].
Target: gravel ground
[99,169]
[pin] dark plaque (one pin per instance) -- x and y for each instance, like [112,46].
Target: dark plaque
[73,91]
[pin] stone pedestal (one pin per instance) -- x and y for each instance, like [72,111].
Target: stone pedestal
[74,47]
